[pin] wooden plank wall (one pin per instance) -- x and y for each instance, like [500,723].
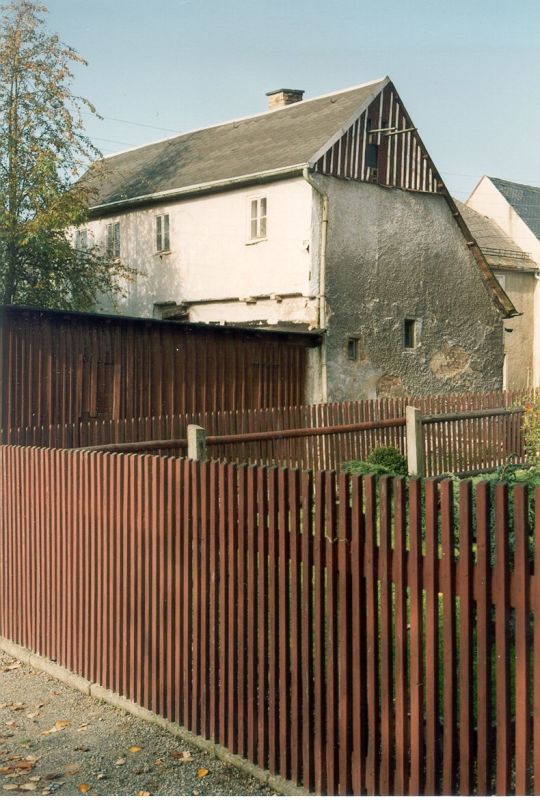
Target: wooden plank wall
[349,636]
[59,369]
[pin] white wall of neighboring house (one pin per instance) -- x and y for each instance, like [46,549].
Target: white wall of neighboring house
[213,257]
[487,200]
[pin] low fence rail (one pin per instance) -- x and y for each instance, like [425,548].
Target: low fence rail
[458,443]
[487,436]
[351,636]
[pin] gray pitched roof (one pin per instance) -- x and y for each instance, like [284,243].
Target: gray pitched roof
[524,199]
[275,140]
[499,249]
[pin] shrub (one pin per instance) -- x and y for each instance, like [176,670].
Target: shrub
[381,461]
[531,431]
[390,458]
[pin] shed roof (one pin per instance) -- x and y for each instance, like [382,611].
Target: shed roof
[499,249]
[275,140]
[524,199]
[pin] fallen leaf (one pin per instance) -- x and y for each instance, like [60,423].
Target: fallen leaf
[101,776]
[134,748]
[83,727]
[10,786]
[32,715]
[202,772]
[61,724]
[23,765]
[52,776]
[5,770]
[32,759]
[84,788]
[13,665]
[181,755]
[28,787]
[72,769]
[158,762]
[120,761]
[17,706]
[142,794]
[40,705]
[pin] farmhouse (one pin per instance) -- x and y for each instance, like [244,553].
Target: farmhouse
[515,209]
[325,214]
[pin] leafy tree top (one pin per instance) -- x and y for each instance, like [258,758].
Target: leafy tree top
[43,149]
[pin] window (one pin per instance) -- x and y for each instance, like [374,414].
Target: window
[258,218]
[410,333]
[352,349]
[81,240]
[163,242]
[113,240]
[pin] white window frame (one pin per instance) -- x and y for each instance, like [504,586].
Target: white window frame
[257,218]
[81,242]
[162,233]
[112,239]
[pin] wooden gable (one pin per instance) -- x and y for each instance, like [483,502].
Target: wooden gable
[382,146]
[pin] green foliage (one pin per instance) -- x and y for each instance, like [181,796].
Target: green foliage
[381,461]
[531,430]
[365,468]
[43,149]
[390,458]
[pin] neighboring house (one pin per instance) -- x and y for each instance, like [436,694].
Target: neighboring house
[517,273]
[325,214]
[515,209]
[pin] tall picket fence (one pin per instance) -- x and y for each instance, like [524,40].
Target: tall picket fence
[347,635]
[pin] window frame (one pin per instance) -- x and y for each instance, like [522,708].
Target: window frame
[162,233]
[258,222]
[81,240]
[112,239]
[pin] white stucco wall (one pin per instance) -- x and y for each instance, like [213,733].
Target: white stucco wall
[212,257]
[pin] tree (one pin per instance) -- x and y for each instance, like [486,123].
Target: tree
[43,150]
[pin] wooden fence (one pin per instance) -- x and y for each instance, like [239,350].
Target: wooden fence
[450,446]
[349,636]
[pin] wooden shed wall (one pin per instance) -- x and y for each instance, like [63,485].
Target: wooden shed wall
[61,368]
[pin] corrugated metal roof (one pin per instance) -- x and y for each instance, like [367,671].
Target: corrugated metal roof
[524,199]
[274,140]
[499,249]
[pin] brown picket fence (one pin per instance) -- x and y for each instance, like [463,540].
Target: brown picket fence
[450,446]
[347,635]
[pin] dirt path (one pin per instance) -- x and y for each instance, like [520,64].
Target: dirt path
[56,741]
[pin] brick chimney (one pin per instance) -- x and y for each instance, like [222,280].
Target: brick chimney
[279,98]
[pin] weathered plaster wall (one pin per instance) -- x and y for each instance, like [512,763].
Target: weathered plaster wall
[392,255]
[212,257]
[518,331]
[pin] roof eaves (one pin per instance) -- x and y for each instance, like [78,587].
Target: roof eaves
[224,184]
[499,297]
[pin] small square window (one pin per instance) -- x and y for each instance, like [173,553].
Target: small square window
[163,242]
[113,240]
[410,333]
[257,227]
[352,349]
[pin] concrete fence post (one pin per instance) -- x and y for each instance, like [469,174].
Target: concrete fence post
[415,441]
[196,443]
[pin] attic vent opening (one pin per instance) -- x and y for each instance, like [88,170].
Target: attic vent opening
[279,98]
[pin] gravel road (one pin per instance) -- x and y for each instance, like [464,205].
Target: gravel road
[57,741]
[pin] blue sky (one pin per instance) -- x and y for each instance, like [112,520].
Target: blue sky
[468,72]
